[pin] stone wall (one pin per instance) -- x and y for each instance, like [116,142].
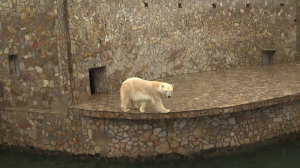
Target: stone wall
[34,31]
[1,96]
[163,40]
[298,30]
[77,134]
[63,50]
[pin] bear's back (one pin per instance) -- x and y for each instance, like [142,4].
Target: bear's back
[135,79]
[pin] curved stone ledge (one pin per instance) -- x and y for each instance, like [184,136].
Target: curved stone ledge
[210,93]
[172,115]
[31,110]
[185,114]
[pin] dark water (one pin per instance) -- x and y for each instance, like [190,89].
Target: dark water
[286,155]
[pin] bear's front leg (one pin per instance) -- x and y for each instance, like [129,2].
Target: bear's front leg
[165,110]
[160,107]
[125,109]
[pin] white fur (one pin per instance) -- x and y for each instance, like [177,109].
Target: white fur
[140,92]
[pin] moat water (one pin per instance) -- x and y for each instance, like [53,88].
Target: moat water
[285,155]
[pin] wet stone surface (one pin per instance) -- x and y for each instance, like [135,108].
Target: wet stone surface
[214,92]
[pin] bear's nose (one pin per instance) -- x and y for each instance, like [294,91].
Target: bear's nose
[169,96]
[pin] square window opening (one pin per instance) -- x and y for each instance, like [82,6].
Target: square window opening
[14,65]
[179,5]
[98,80]
[268,57]
[92,81]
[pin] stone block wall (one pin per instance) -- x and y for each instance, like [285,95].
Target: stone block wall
[163,40]
[1,96]
[63,50]
[298,30]
[34,32]
[77,134]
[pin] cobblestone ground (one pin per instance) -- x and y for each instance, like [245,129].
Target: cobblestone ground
[216,89]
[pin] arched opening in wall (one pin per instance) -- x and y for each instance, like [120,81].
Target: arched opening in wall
[98,80]
[268,57]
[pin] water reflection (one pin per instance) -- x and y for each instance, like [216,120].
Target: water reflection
[282,156]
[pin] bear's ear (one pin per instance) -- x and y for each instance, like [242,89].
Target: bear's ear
[172,85]
[162,86]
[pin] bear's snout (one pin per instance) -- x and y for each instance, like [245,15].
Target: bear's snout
[168,94]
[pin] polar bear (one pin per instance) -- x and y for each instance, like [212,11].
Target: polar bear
[136,91]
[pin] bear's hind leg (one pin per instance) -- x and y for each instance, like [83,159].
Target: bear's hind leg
[133,104]
[143,106]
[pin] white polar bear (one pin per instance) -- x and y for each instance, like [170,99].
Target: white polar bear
[136,91]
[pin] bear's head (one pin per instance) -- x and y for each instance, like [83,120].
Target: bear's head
[166,89]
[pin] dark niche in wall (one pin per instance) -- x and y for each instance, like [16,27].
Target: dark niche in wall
[268,57]
[98,80]
[14,65]
[179,5]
